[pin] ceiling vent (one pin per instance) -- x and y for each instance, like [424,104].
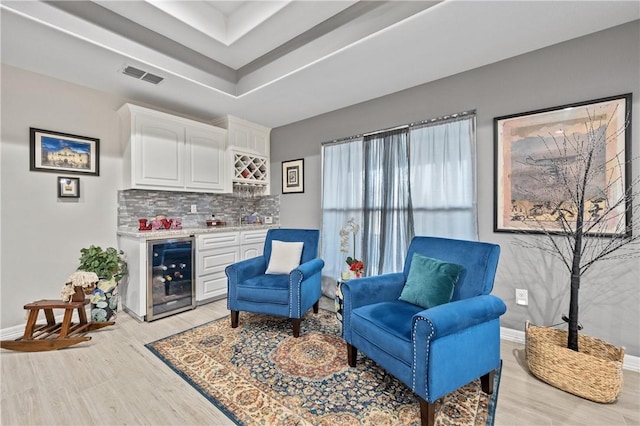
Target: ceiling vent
[141,75]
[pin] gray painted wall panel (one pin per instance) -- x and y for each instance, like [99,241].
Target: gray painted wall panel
[598,65]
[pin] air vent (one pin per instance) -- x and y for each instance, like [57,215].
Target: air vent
[141,75]
[151,78]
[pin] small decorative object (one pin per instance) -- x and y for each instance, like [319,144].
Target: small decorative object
[56,152]
[78,284]
[356,267]
[293,176]
[109,265]
[68,187]
[143,225]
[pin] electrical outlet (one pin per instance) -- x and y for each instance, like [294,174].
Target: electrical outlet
[522,297]
[194,208]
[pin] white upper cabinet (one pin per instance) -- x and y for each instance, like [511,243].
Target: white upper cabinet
[207,162]
[249,146]
[167,152]
[245,136]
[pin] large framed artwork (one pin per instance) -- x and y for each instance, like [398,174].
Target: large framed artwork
[542,156]
[293,176]
[61,152]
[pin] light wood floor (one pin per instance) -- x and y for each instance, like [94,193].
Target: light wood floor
[114,379]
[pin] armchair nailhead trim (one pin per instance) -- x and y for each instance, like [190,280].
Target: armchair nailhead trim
[415,359]
[291,295]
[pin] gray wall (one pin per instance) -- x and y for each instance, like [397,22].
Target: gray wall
[42,235]
[599,65]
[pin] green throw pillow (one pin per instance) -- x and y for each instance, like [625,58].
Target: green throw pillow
[430,282]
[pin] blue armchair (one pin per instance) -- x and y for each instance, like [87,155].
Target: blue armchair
[437,350]
[289,295]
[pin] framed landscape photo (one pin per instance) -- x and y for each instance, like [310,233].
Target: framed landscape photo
[293,176]
[61,152]
[68,187]
[542,156]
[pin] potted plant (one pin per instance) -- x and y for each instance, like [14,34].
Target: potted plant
[356,267]
[587,224]
[110,267]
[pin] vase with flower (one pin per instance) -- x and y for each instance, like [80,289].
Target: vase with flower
[356,266]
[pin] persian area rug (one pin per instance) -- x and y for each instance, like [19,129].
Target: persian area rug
[259,374]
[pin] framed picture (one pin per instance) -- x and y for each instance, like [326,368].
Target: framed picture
[293,176]
[540,157]
[68,187]
[61,152]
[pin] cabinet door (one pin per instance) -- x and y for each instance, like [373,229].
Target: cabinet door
[251,250]
[206,159]
[260,142]
[159,152]
[239,136]
[212,281]
[252,243]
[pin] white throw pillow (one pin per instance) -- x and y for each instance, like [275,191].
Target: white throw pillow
[285,257]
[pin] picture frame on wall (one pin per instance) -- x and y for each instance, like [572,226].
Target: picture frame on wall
[68,187]
[538,152]
[57,152]
[293,176]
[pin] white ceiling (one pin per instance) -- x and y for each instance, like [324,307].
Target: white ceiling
[277,62]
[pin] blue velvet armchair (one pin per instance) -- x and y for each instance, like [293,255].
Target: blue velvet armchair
[290,295]
[433,351]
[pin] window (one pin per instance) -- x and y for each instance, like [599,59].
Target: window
[414,180]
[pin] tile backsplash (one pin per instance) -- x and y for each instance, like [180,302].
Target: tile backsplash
[134,204]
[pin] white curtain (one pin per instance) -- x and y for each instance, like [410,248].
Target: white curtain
[416,180]
[342,198]
[443,191]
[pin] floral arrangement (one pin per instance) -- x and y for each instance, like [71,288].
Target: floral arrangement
[356,266]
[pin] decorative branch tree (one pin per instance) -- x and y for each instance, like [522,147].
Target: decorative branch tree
[590,204]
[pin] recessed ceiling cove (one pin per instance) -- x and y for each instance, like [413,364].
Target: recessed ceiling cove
[276,62]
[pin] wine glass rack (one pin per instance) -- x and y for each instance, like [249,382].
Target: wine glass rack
[250,170]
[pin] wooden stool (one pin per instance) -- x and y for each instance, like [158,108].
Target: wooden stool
[52,335]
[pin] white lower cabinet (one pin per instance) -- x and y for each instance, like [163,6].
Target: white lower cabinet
[214,252]
[212,281]
[252,243]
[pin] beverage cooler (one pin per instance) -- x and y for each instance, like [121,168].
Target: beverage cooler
[170,277]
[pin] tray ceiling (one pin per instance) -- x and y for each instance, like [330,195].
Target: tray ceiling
[276,62]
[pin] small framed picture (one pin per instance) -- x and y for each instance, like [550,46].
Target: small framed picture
[68,187]
[62,152]
[293,176]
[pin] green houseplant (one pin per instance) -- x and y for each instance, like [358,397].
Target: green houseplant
[110,266]
[591,206]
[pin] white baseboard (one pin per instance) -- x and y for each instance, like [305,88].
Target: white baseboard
[631,363]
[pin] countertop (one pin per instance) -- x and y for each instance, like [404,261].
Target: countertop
[163,233]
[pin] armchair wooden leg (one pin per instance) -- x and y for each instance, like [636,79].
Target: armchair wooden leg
[235,316]
[316,306]
[486,382]
[427,412]
[296,326]
[352,354]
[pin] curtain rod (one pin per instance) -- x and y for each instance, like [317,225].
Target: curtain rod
[428,122]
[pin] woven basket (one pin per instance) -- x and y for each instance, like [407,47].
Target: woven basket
[594,373]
